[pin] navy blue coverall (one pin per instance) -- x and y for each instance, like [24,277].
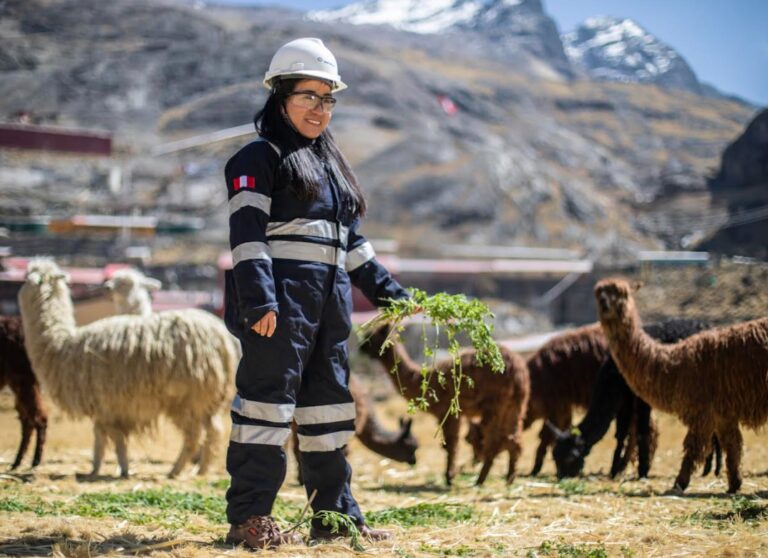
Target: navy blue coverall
[296,257]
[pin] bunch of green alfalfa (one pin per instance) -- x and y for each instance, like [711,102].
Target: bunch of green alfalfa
[449,314]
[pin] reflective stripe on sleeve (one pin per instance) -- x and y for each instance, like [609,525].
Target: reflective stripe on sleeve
[250,251]
[323,414]
[257,434]
[249,199]
[358,256]
[325,442]
[272,412]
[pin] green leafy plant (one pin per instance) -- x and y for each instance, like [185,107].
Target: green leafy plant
[450,314]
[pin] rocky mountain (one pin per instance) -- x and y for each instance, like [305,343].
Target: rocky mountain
[454,139]
[741,185]
[619,49]
[510,26]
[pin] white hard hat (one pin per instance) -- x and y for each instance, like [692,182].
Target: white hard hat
[304,57]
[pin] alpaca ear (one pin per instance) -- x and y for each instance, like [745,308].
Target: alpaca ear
[151,284]
[63,275]
[109,284]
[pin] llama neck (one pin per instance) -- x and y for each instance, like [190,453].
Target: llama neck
[49,323]
[641,359]
[407,375]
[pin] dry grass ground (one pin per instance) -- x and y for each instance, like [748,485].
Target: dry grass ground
[52,512]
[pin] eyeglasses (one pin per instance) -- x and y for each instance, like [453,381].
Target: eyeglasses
[312,101]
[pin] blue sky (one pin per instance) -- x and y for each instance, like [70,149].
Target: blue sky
[724,41]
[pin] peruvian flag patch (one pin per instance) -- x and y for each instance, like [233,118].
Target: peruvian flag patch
[242,182]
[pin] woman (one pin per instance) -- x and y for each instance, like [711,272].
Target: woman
[295,207]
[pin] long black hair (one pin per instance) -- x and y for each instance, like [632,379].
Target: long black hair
[302,159]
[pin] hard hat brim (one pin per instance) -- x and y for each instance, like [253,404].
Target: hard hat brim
[336,84]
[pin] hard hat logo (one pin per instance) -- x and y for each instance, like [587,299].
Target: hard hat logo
[306,57]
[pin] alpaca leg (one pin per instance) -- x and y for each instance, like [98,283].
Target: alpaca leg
[99,441]
[546,437]
[41,428]
[214,431]
[121,448]
[710,457]
[451,442]
[694,446]
[718,456]
[645,437]
[26,435]
[733,445]
[515,449]
[625,439]
[190,443]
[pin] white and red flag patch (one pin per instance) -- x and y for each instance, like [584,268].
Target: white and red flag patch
[242,182]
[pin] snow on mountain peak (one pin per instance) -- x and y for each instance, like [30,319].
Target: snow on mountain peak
[418,16]
[619,49]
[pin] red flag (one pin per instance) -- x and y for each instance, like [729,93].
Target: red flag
[244,182]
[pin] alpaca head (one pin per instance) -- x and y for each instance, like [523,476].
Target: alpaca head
[569,453]
[404,450]
[614,298]
[44,280]
[130,290]
[372,344]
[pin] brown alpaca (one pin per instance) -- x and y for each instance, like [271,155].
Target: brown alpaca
[498,401]
[563,373]
[399,446]
[713,381]
[16,372]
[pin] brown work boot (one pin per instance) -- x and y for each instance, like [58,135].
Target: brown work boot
[260,531]
[372,535]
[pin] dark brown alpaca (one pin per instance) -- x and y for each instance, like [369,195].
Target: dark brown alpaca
[713,381]
[497,401]
[399,446]
[563,373]
[16,372]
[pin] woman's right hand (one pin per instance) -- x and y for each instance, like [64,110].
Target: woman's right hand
[266,325]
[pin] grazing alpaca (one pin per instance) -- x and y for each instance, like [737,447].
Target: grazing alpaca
[611,399]
[16,373]
[713,381]
[399,446]
[498,401]
[125,371]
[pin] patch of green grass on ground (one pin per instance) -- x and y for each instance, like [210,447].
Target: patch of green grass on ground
[551,549]
[165,508]
[460,550]
[572,487]
[740,508]
[424,514]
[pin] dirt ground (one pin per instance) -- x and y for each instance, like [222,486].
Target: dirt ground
[591,517]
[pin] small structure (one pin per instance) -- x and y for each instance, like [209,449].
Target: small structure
[49,138]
